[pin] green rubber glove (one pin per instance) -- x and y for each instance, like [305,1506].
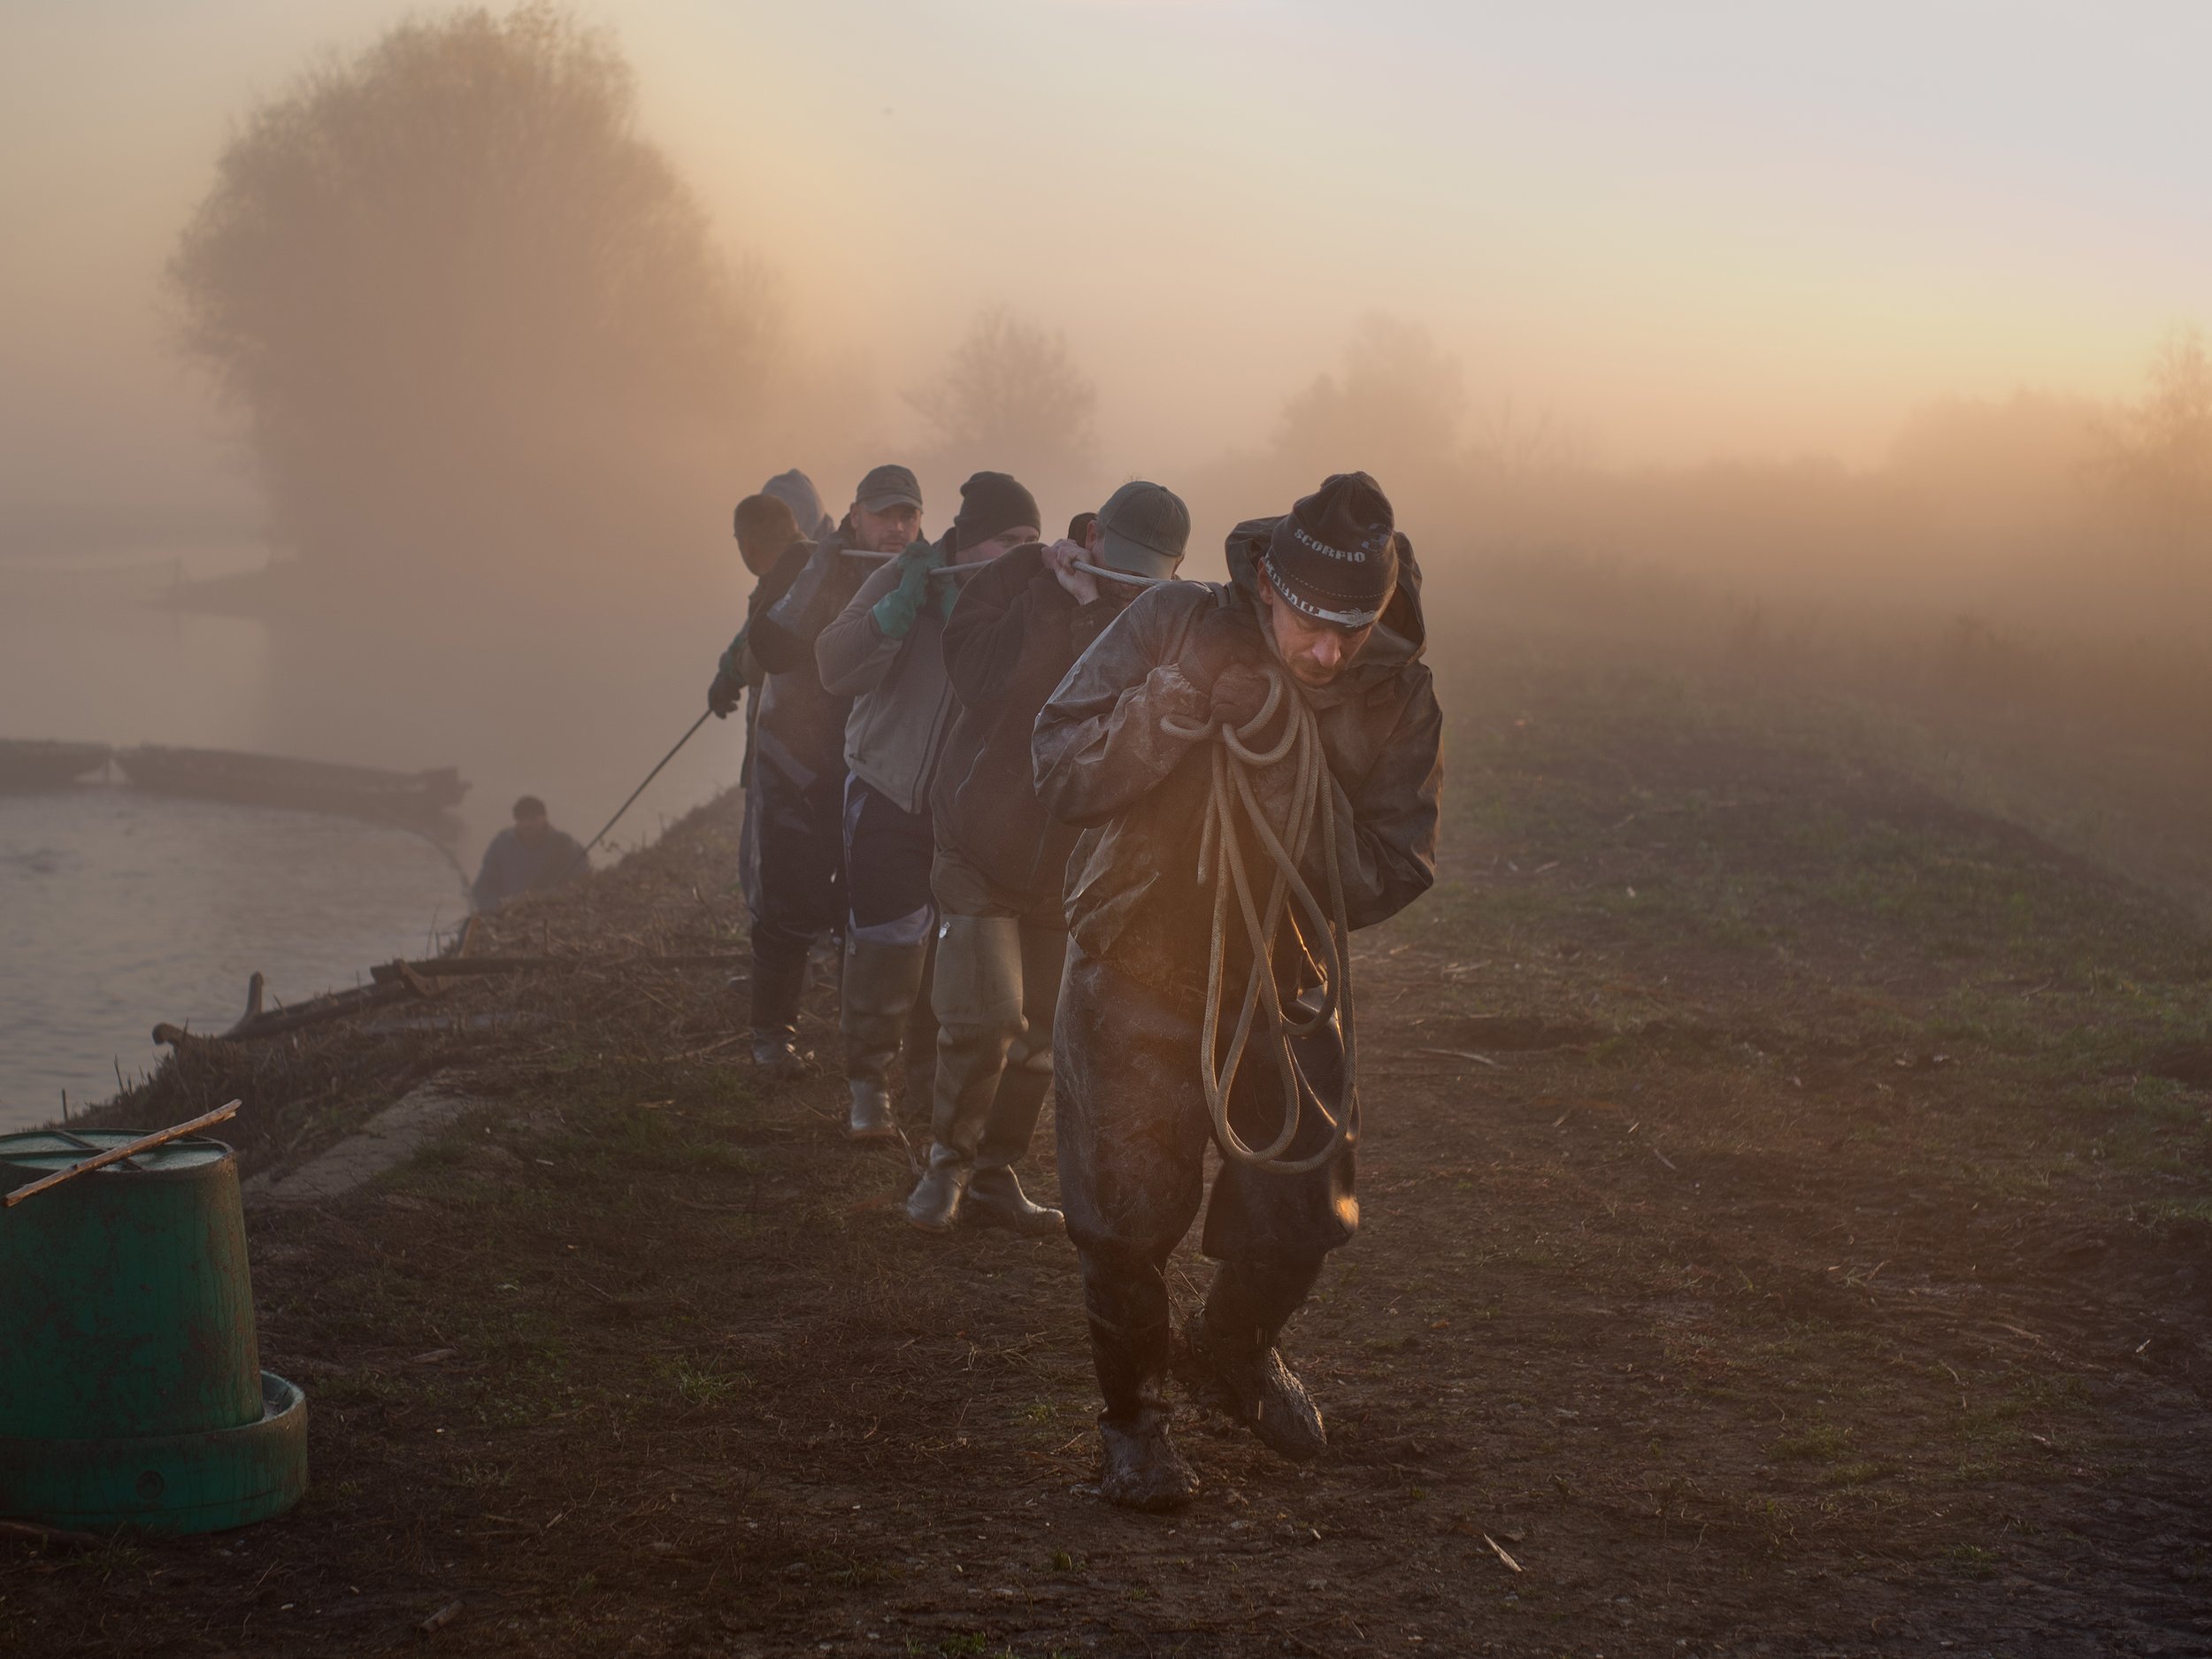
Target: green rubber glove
[895,612]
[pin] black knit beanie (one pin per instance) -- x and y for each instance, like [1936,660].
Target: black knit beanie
[1334,554]
[991,503]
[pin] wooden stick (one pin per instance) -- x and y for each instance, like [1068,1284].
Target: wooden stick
[115,1154]
[83,1145]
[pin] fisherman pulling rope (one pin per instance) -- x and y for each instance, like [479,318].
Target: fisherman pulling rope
[1287,716]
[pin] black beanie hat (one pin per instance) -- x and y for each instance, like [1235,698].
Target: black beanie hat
[991,503]
[1334,554]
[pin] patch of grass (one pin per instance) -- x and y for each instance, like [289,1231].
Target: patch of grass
[698,1385]
[1816,1442]
[1973,1559]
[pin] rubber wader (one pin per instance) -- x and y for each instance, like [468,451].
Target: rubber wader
[780,973]
[884,984]
[1139,1466]
[1229,1354]
[994,1065]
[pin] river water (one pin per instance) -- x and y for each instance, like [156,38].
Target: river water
[118,909]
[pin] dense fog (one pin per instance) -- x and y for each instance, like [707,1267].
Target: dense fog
[427,379]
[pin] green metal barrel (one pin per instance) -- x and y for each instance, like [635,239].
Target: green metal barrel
[131,1386]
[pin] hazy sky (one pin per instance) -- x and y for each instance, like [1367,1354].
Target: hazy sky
[1749,228]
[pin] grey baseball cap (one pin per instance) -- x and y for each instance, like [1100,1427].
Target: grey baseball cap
[1142,530]
[888,487]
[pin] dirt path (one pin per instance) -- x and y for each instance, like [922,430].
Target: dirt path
[1779,1238]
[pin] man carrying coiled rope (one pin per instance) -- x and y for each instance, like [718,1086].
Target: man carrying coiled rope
[1001,862]
[1256,768]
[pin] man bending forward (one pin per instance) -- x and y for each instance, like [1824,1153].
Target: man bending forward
[1329,595]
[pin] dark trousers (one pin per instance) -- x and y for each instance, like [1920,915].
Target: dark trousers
[1133,1130]
[791,859]
[888,851]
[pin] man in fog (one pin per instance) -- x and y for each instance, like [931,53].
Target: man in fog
[1000,861]
[527,856]
[1327,598]
[774,545]
[886,650]
[794,807]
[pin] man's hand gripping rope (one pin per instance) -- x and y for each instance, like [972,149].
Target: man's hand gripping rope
[1221,861]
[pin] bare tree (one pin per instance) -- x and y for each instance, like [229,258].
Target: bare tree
[2158,450]
[464,308]
[1393,409]
[1013,400]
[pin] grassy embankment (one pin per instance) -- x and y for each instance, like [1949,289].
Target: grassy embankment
[1786,1201]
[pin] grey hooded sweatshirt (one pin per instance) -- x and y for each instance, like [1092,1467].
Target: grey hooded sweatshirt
[902,699]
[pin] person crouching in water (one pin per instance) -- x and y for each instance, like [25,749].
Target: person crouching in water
[1328,595]
[886,651]
[1002,861]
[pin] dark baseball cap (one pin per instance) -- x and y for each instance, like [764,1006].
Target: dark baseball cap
[1142,530]
[888,487]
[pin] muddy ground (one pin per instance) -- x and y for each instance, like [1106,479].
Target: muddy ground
[1788,1229]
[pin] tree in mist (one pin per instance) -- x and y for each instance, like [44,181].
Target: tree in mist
[2158,458]
[1011,399]
[1394,408]
[465,311]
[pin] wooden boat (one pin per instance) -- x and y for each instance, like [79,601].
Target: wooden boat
[313,786]
[27,764]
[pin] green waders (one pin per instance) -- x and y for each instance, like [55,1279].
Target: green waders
[996,985]
[885,1007]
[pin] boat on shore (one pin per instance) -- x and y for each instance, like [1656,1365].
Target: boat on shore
[43,764]
[422,799]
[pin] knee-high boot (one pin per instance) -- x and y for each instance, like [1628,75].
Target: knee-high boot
[1126,1305]
[995,1195]
[976,993]
[882,984]
[779,974]
[1229,1354]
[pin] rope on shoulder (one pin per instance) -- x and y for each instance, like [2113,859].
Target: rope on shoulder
[1221,861]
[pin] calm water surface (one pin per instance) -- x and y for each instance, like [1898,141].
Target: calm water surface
[118,909]
[121,909]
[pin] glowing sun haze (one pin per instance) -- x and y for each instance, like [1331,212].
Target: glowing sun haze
[1736,228]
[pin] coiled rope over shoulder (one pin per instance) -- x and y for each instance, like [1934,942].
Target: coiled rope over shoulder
[1221,861]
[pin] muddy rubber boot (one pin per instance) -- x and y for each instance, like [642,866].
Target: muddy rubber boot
[780,973]
[996,1199]
[975,995]
[1228,1357]
[881,983]
[1139,1466]
[995,1196]
[938,1199]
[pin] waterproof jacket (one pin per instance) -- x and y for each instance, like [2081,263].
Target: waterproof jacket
[513,867]
[1139,794]
[740,662]
[902,703]
[800,736]
[1011,640]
